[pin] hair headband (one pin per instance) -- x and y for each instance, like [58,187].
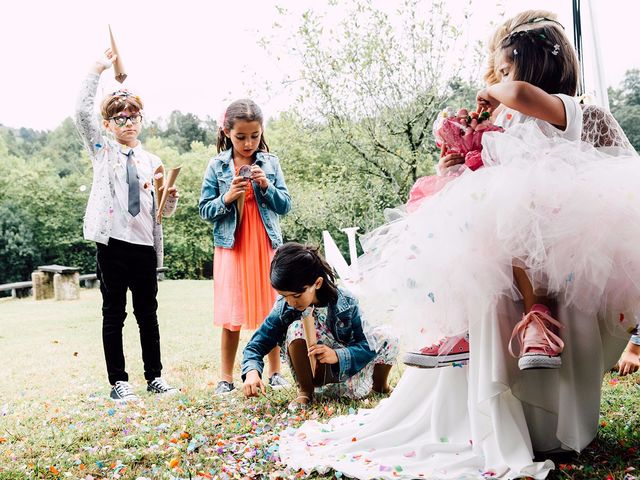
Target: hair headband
[533,21]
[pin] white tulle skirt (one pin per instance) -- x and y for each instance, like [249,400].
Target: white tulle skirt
[565,212]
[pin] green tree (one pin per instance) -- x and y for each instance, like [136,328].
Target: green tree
[187,239]
[182,129]
[378,82]
[625,106]
[64,147]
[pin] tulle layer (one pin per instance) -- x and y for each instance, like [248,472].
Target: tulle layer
[567,213]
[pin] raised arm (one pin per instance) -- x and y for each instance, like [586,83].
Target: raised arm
[526,99]
[86,121]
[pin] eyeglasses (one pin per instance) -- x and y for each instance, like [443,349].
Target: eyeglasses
[121,120]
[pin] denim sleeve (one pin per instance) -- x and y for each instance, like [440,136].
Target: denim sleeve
[277,195]
[356,355]
[211,205]
[271,332]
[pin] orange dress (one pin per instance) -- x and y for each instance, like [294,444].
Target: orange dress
[242,292]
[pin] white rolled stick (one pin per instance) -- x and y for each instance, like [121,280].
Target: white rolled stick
[309,327]
[170,182]
[118,66]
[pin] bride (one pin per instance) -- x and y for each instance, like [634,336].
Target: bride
[488,418]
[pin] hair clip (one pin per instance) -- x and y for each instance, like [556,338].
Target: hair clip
[515,52]
[556,49]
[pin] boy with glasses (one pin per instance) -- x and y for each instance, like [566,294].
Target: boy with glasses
[120,218]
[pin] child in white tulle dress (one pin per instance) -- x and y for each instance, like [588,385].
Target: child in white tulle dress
[547,214]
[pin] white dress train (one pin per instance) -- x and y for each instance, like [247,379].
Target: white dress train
[484,420]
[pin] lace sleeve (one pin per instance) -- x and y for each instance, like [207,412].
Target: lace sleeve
[601,129]
[86,121]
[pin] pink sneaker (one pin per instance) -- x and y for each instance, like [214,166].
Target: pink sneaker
[448,351]
[540,345]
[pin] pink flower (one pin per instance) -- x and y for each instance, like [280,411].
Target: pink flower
[463,134]
[473,160]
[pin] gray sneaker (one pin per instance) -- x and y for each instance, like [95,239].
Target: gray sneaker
[123,392]
[224,387]
[278,381]
[159,385]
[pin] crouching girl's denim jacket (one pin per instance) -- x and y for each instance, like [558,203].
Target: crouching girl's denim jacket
[344,322]
[272,202]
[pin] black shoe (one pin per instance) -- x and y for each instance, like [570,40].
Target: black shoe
[224,387]
[158,385]
[123,392]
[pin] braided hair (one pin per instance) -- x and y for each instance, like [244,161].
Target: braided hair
[295,267]
[543,57]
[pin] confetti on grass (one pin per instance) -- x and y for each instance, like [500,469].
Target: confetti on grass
[200,438]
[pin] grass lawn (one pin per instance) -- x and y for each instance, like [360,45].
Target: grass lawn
[57,422]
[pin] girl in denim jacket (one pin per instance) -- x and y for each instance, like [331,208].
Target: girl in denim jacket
[348,361]
[243,194]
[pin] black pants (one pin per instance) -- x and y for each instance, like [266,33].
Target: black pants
[122,265]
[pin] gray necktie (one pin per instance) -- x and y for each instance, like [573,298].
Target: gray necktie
[134,185]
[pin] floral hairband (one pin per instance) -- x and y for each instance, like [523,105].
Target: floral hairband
[556,47]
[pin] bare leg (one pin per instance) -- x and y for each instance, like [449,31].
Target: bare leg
[297,351]
[529,297]
[274,361]
[229,347]
[381,377]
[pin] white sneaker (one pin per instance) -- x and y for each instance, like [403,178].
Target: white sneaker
[159,385]
[123,392]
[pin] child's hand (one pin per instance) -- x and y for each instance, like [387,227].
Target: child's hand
[173,192]
[104,62]
[323,353]
[450,160]
[629,363]
[486,102]
[253,386]
[237,188]
[258,176]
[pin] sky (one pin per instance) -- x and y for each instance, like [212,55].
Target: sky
[198,55]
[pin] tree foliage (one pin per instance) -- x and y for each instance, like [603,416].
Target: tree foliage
[378,80]
[625,106]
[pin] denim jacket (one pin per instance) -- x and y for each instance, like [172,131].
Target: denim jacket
[344,322]
[274,201]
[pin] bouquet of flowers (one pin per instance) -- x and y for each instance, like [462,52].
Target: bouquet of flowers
[462,132]
[455,132]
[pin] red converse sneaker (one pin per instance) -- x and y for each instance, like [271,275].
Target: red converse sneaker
[540,345]
[448,351]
